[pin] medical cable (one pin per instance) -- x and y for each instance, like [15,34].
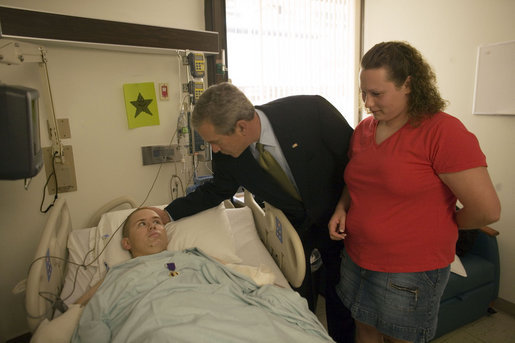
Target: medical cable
[175,192]
[53,173]
[83,264]
[58,303]
[157,175]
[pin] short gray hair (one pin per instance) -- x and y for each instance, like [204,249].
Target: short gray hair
[222,105]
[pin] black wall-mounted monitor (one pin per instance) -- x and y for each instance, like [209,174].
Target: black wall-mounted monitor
[20,153]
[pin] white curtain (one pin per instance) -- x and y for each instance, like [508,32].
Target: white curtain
[277,48]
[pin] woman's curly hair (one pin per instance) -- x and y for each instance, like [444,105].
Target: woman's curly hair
[401,60]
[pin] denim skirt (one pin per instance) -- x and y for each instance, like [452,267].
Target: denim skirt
[400,305]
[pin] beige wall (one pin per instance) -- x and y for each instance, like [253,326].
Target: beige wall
[448,34]
[87,89]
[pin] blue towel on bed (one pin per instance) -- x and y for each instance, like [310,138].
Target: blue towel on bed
[188,297]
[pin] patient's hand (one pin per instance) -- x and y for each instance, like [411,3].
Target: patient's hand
[83,300]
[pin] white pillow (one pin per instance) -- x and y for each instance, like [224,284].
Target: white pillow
[60,329]
[457,267]
[110,225]
[208,230]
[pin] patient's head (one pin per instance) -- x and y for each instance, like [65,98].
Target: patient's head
[144,233]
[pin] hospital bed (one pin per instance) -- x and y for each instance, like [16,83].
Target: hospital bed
[68,262]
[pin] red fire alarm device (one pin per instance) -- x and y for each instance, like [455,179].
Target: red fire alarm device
[163,91]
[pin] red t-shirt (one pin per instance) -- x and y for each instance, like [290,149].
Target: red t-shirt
[401,217]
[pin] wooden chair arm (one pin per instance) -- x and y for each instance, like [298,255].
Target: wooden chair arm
[489,231]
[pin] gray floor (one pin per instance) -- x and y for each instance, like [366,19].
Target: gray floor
[495,328]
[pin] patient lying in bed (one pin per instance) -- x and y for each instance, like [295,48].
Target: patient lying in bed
[187,296]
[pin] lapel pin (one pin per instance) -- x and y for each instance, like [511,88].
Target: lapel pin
[294,145]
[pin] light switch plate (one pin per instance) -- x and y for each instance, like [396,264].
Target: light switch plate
[63,125]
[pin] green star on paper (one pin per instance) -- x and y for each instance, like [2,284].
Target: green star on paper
[141,96]
[141,105]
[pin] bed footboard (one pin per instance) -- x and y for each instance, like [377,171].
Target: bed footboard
[47,271]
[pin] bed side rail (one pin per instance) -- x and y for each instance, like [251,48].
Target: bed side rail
[280,238]
[47,270]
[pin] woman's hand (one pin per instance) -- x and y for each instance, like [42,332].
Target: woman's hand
[475,191]
[337,224]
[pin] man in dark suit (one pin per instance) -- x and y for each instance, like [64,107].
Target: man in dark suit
[309,139]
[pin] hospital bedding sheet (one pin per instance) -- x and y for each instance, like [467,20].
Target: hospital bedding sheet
[237,236]
[240,224]
[203,301]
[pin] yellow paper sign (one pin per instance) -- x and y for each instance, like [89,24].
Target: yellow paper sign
[141,104]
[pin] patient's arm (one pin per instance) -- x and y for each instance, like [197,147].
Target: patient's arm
[83,300]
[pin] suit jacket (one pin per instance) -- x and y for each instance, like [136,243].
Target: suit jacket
[314,138]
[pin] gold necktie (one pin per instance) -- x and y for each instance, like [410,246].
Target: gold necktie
[268,162]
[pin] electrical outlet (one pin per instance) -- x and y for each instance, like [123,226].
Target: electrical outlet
[64,170]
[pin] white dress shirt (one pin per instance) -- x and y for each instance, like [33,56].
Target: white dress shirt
[270,143]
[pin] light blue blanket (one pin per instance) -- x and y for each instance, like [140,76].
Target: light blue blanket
[200,301]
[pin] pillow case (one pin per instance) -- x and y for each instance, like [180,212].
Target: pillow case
[60,329]
[457,267]
[108,235]
[208,230]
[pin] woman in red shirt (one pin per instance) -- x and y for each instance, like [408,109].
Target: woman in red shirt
[409,164]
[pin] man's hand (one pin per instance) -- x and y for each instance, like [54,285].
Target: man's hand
[165,217]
